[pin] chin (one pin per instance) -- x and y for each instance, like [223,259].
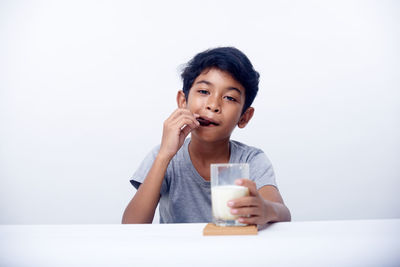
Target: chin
[208,137]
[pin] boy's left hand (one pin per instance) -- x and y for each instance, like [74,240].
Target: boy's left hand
[253,209]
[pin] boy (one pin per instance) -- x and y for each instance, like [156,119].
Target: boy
[219,86]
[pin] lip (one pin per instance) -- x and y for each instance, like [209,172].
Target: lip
[208,121]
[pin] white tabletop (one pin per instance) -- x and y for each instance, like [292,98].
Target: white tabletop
[322,243]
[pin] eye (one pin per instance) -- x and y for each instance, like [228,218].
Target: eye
[203,92]
[230,98]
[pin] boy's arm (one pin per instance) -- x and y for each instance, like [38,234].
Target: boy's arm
[144,203]
[277,212]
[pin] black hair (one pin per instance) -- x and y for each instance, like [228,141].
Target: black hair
[228,59]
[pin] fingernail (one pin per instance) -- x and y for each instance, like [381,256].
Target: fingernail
[230,203]
[234,211]
[241,220]
[239,182]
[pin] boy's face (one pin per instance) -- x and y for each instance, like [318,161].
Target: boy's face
[219,99]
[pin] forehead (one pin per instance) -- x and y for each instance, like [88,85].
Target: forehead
[218,78]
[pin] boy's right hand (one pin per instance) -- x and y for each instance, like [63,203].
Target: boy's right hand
[176,128]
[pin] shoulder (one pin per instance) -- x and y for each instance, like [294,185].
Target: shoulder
[152,154]
[243,152]
[261,170]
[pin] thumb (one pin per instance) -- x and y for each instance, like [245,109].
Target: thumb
[185,131]
[249,184]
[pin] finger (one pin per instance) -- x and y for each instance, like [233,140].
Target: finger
[181,115]
[187,121]
[246,211]
[175,114]
[171,121]
[186,129]
[249,220]
[178,113]
[176,126]
[249,184]
[181,120]
[243,202]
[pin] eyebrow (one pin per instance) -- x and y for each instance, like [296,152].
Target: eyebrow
[209,83]
[235,89]
[205,82]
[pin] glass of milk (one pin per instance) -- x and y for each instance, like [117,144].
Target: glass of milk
[223,189]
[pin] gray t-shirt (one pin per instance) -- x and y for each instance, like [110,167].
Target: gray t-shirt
[185,195]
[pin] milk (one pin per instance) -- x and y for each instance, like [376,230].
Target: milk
[220,195]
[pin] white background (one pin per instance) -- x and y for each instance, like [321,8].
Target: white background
[85,87]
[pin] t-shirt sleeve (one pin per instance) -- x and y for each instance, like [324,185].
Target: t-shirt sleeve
[141,173]
[261,171]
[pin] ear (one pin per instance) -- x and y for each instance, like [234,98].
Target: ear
[246,117]
[181,99]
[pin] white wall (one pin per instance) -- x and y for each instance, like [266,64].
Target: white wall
[85,87]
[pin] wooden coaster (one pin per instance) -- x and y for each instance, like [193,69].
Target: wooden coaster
[212,229]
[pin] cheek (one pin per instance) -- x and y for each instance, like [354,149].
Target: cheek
[195,102]
[235,113]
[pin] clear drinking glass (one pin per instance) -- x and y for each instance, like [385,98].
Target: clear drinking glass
[223,189]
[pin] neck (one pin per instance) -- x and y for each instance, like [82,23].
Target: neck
[209,152]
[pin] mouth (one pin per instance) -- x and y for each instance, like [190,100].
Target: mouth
[206,122]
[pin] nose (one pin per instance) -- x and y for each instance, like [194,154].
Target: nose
[213,105]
